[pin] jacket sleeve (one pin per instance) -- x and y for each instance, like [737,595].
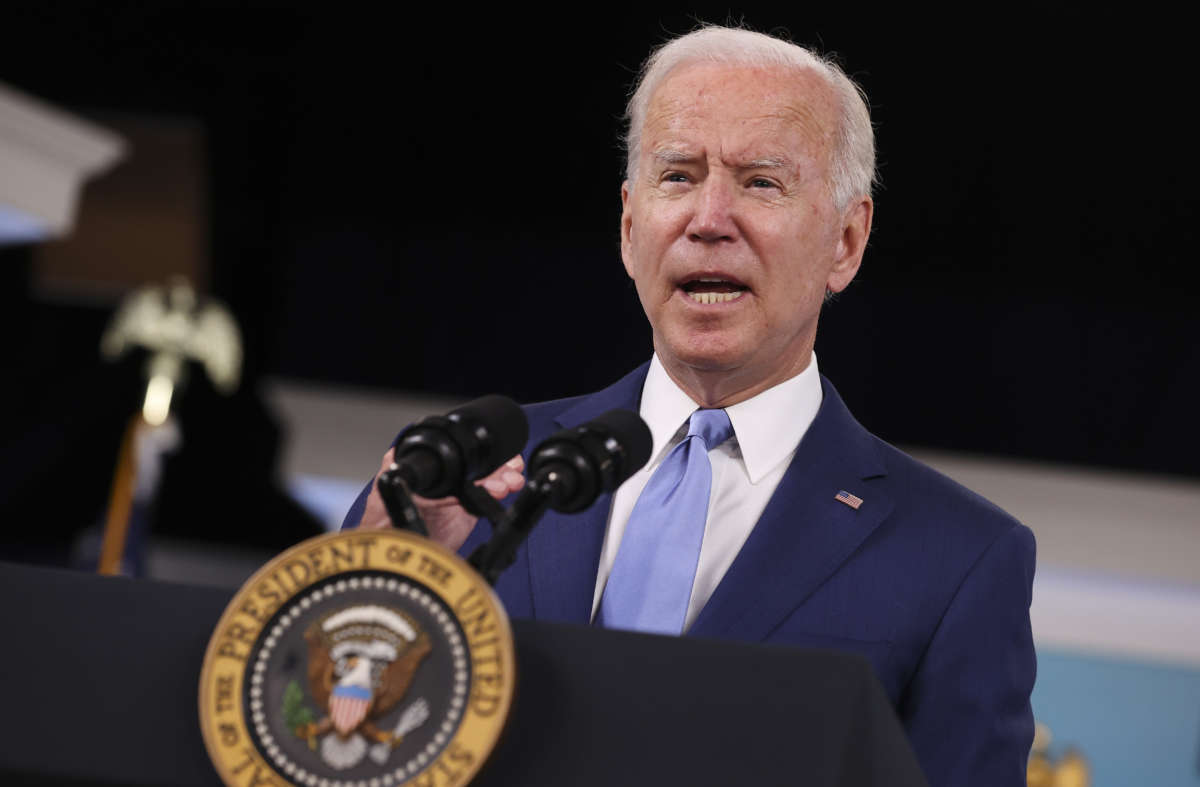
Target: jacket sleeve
[355,514]
[967,709]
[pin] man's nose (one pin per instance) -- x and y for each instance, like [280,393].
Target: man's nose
[713,216]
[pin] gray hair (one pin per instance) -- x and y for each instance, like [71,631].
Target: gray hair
[852,169]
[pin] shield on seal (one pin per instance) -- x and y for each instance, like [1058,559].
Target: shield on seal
[348,707]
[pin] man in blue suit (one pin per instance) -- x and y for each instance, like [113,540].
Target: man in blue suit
[746,205]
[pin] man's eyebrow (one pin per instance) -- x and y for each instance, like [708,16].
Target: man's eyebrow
[672,156]
[669,156]
[770,162]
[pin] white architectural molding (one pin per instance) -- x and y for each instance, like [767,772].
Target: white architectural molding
[45,156]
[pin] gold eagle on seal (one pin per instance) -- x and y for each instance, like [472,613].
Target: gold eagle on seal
[361,663]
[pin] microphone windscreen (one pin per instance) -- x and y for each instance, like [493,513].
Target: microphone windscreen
[506,425]
[632,434]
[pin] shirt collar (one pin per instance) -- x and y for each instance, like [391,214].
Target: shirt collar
[767,427]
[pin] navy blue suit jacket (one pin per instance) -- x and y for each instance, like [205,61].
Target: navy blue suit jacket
[926,579]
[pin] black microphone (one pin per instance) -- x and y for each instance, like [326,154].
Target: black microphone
[567,472]
[442,455]
[576,465]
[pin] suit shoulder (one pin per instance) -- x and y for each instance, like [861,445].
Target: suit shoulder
[547,417]
[921,492]
[551,408]
[544,415]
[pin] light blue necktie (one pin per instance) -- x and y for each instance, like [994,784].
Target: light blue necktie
[651,579]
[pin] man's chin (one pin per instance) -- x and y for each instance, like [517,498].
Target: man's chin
[708,356]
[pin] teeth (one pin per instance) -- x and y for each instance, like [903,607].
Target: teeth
[715,297]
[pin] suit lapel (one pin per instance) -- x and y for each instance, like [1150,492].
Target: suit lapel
[564,549]
[804,534]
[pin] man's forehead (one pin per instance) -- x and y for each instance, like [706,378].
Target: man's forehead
[752,101]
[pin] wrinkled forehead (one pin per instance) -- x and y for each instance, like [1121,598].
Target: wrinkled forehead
[763,107]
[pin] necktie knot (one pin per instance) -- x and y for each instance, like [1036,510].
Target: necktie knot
[711,426]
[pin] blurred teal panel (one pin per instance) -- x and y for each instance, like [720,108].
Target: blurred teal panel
[1138,723]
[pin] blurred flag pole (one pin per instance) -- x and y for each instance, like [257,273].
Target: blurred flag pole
[120,501]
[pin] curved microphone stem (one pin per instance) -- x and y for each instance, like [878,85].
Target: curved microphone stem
[398,501]
[494,557]
[477,501]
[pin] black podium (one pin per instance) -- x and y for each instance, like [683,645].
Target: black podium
[100,678]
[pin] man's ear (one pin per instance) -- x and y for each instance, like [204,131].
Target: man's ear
[626,229]
[851,244]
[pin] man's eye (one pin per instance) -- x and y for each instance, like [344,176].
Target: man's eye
[675,177]
[762,183]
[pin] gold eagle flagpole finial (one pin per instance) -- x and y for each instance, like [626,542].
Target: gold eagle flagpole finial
[174,327]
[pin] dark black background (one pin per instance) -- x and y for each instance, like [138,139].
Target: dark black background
[428,201]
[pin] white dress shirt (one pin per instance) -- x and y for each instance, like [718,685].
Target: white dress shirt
[745,469]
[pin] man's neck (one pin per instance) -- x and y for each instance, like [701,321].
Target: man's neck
[722,388]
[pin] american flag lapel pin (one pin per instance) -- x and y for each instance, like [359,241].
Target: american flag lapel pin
[854,501]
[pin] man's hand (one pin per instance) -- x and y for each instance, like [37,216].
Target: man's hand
[448,522]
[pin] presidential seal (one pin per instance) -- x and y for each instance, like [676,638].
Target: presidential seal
[358,659]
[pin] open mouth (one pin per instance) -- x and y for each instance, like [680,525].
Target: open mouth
[713,290]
